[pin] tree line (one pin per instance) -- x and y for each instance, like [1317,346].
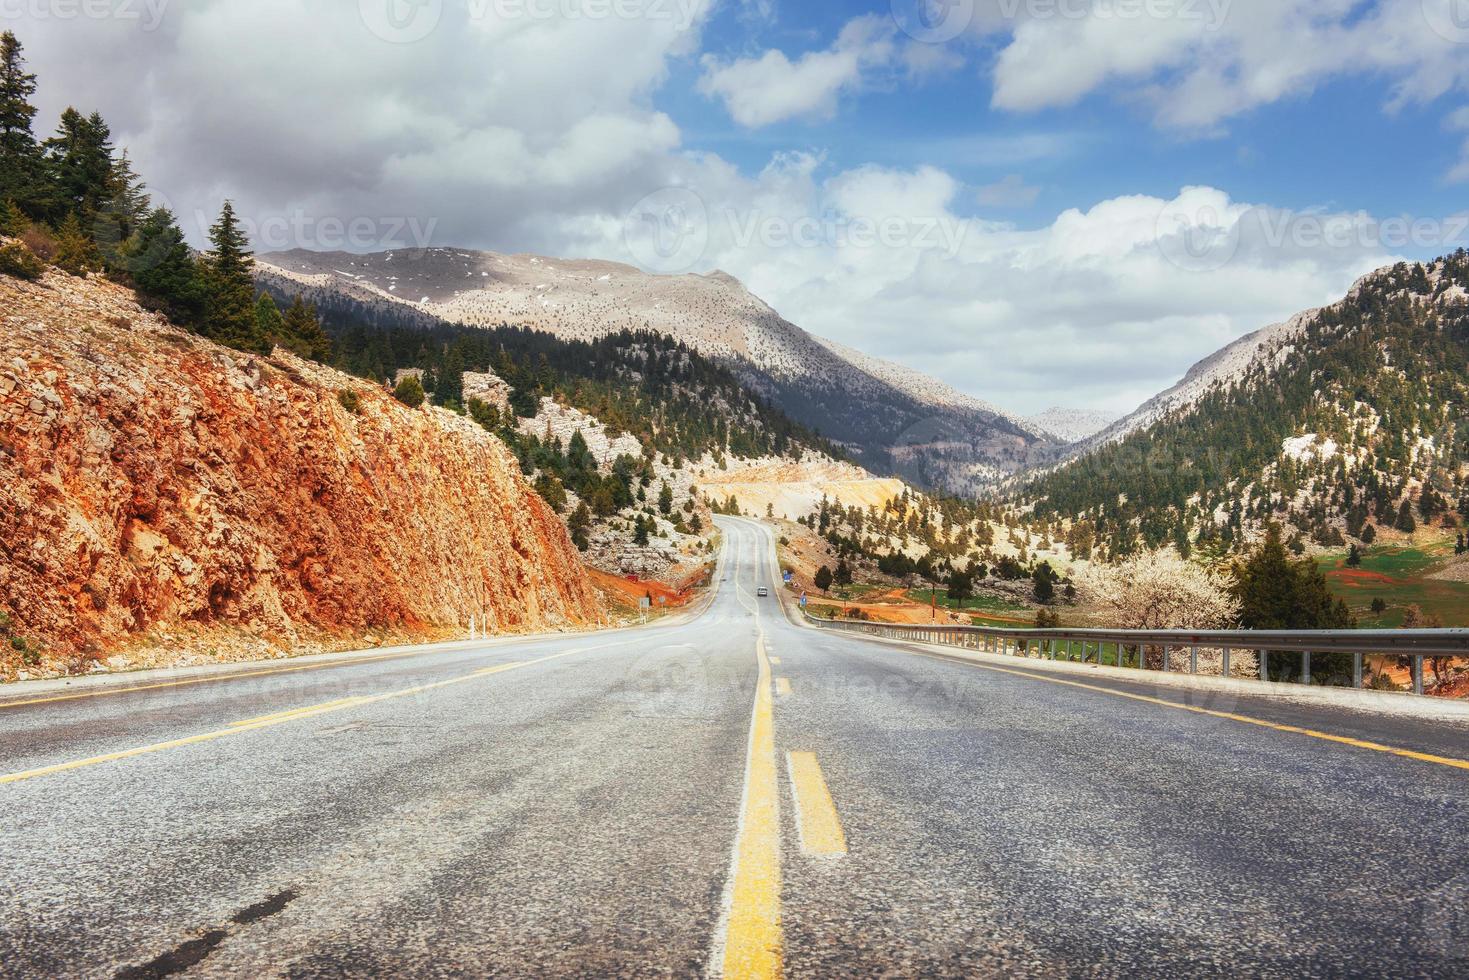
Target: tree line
[74,200]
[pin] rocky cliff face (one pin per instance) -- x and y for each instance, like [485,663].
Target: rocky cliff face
[150,480]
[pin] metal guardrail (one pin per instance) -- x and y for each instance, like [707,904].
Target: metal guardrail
[1139,646]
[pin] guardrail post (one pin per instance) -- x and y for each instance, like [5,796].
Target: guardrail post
[1193,660]
[1357,671]
[1226,662]
[1305,667]
[1417,674]
[1167,665]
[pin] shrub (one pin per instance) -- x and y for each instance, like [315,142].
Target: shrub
[350,400]
[40,241]
[409,392]
[19,261]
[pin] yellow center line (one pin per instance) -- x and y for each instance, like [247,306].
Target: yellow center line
[299,712]
[816,815]
[281,718]
[353,662]
[783,686]
[775,661]
[1227,715]
[752,935]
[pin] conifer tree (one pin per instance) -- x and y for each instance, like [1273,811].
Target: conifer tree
[122,214]
[579,524]
[1278,593]
[268,320]
[21,174]
[304,335]
[79,157]
[229,288]
[12,219]
[163,268]
[75,251]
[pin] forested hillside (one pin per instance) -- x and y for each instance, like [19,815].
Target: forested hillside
[673,400]
[1355,423]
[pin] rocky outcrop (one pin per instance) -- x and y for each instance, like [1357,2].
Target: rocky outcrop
[150,479]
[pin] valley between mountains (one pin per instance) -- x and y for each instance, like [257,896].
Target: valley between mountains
[518,443]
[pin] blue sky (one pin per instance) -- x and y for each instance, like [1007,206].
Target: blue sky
[1336,146]
[1060,202]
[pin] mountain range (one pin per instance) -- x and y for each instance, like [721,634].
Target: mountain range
[891,419]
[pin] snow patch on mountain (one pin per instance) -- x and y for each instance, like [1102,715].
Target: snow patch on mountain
[1070,424]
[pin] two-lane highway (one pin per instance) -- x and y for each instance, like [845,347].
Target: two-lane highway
[731,795]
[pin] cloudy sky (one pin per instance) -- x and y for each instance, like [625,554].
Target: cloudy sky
[1040,201]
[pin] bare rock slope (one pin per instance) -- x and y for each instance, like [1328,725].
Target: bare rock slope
[895,421]
[151,480]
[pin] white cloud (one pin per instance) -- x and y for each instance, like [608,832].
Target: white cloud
[771,88]
[1103,307]
[540,136]
[486,125]
[1198,64]
[1458,122]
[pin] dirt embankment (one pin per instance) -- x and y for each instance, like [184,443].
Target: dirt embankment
[153,482]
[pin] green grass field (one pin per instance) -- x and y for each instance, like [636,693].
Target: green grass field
[983,603]
[1399,577]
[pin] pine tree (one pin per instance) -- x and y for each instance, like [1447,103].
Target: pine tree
[163,268]
[1354,557]
[1278,593]
[579,524]
[1405,521]
[410,391]
[1369,534]
[229,288]
[665,500]
[79,157]
[21,173]
[121,216]
[304,335]
[75,251]
[823,578]
[12,220]
[268,319]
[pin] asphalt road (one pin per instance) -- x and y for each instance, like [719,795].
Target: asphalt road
[731,795]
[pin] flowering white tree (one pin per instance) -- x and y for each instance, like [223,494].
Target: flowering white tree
[1158,590]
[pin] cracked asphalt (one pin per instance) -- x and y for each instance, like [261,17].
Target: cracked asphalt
[571,806]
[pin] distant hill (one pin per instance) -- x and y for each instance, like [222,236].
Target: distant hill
[1344,418]
[890,419]
[1070,425]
